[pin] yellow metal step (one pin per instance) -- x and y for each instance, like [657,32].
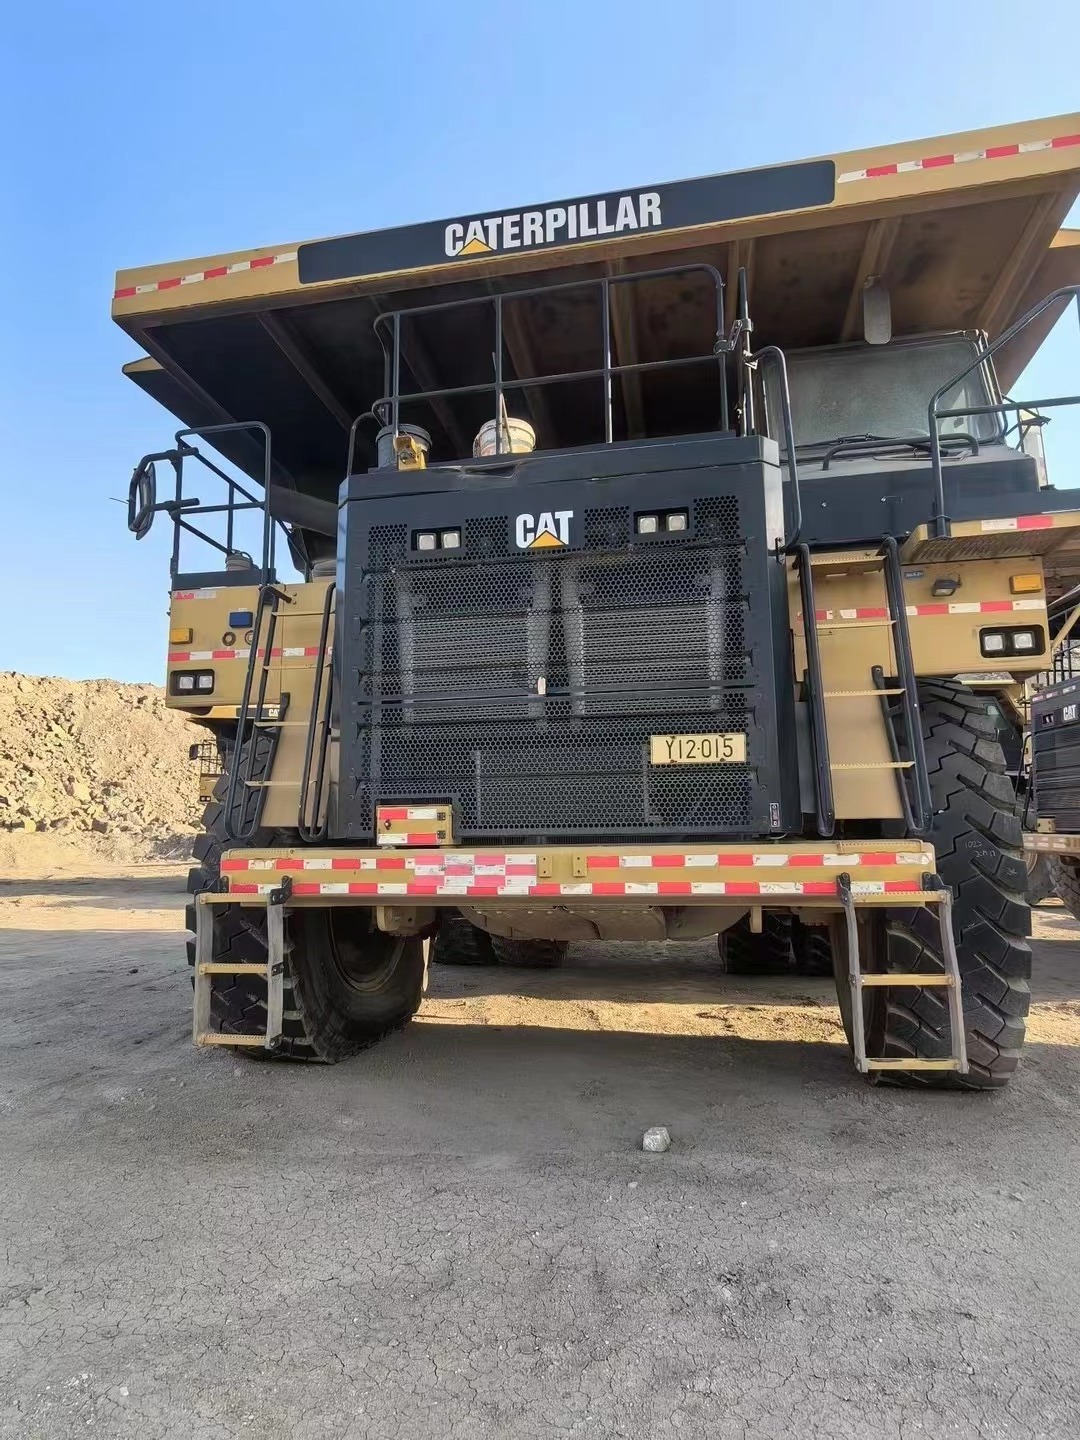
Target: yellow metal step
[848,562]
[872,765]
[854,624]
[912,1065]
[850,694]
[898,978]
[217,969]
[212,1037]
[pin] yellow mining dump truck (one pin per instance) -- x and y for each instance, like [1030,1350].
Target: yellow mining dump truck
[638,541]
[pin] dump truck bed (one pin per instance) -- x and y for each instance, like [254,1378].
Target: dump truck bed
[965,230]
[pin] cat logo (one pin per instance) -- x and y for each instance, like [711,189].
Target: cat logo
[547,531]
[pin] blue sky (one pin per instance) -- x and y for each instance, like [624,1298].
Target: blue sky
[136,133]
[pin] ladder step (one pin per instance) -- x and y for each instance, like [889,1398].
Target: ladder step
[846,694]
[849,562]
[912,1065]
[214,1037]
[913,979]
[873,765]
[214,968]
[854,624]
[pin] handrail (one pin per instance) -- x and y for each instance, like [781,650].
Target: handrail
[774,353]
[873,444]
[387,409]
[322,700]
[184,450]
[905,666]
[824,802]
[940,524]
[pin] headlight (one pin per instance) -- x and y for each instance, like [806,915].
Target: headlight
[1012,640]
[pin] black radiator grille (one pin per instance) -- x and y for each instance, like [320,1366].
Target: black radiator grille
[1056,739]
[524,687]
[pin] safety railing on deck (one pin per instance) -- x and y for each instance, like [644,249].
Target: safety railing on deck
[143,504]
[940,522]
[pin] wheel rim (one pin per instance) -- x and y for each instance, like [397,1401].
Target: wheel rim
[364,959]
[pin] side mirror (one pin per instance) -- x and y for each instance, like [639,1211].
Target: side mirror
[142,499]
[876,312]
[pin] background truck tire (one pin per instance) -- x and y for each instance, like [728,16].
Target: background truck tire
[458,942]
[976,834]
[529,954]
[811,949]
[1066,877]
[347,984]
[1041,877]
[744,953]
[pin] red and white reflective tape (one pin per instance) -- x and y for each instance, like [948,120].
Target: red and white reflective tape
[410,837]
[289,652]
[494,874]
[962,607]
[453,864]
[495,889]
[959,157]
[194,594]
[757,859]
[461,863]
[216,272]
[1019,522]
[408,812]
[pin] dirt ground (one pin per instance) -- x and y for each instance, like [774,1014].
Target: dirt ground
[456,1234]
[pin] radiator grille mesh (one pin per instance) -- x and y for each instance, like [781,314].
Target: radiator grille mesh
[525,687]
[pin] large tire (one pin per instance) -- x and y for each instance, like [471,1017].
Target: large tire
[347,984]
[529,954]
[742,952]
[458,942]
[1066,878]
[1041,879]
[811,949]
[977,838]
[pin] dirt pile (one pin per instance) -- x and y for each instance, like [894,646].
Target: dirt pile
[97,766]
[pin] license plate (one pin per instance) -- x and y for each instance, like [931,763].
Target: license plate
[714,749]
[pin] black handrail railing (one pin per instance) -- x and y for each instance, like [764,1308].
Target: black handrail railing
[143,504]
[941,526]
[923,807]
[230,510]
[387,409]
[250,762]
[777,357]
[312,822]
[824,802]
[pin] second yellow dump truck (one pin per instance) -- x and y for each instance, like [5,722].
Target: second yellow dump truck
[614,561]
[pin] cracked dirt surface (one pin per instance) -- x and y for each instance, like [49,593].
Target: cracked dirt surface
[454,1235]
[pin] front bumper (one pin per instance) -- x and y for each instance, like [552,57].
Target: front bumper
[756,874]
